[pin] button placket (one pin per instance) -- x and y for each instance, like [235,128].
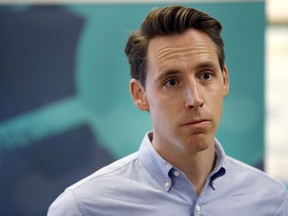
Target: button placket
[167,184]
[197,209]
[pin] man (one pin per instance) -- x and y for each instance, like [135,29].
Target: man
[179,76]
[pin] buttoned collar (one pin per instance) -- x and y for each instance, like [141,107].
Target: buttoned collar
[159,168]
[219,169]
[154,163]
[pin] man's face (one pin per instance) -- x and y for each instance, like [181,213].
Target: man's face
[184,92]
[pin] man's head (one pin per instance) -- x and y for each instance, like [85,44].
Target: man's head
[165,22]
[178,74]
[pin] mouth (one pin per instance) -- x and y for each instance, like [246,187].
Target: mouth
[196,123]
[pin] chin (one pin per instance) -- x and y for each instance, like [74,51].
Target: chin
[199,143]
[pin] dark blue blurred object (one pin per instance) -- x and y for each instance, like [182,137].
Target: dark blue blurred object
[33,176]
[37,57]
[37,67]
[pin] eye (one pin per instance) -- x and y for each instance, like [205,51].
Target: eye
[206,76]
[171,83]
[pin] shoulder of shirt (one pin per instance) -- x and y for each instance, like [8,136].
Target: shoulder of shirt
[242,168]
[111,169]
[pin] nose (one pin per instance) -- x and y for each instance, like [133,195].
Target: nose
[193,97]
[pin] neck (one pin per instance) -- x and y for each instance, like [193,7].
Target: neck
[195,165]
[199,168]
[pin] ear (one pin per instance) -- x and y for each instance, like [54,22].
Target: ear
[226,80]
[138,95]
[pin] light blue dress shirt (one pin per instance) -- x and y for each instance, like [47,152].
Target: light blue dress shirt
[144,184]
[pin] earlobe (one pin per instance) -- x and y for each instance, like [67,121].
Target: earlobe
[138,95]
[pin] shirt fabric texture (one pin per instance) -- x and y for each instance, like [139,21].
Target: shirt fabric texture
[144,184]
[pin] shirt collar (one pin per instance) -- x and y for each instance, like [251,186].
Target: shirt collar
[160,168]
[154,163]
[220,156]
[219,169]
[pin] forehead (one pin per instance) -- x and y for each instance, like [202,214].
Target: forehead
[181,47]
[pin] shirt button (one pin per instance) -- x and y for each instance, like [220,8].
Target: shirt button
[176,173]
[167,184]
[198,208]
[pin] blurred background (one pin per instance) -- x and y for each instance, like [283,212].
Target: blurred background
[65,107]
[276,89]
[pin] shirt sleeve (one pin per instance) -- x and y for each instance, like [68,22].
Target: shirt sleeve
[65,205]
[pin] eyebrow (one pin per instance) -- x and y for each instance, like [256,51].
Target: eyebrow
[207,64]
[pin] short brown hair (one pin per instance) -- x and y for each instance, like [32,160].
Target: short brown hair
[167,21]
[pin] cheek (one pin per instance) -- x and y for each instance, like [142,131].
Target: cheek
[218,108]
[160,102]
[214,103]
[163,111]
